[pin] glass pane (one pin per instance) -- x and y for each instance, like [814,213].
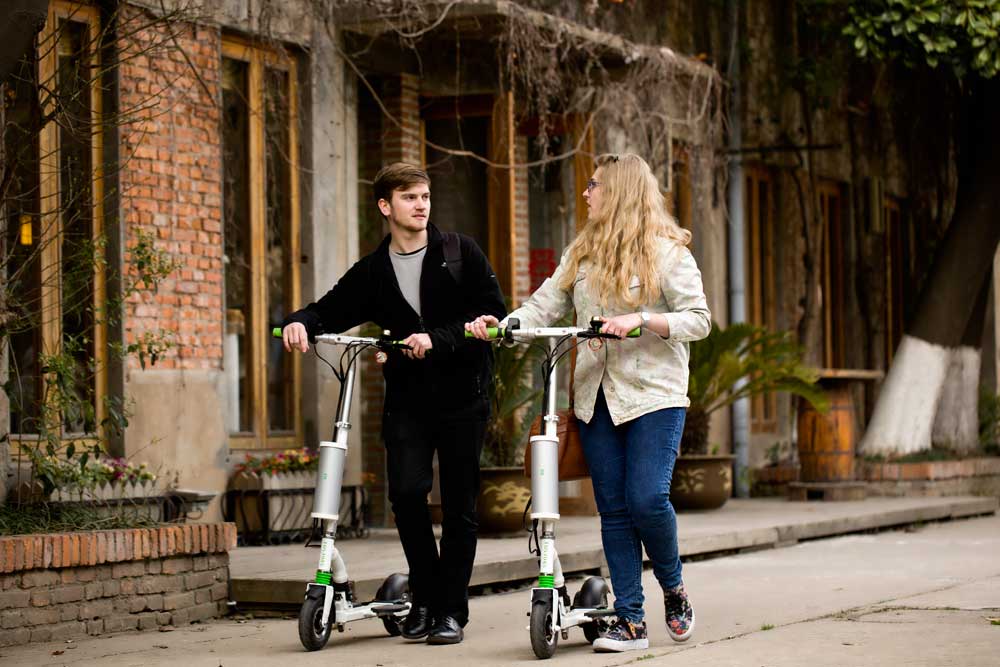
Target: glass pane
[236,232]
[78,248]
[22,291]
[458,184]
[280,395]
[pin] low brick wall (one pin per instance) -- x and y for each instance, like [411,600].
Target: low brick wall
[978,476]
[73,584]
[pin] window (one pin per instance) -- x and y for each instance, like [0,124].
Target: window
[895,271]
[831,210]
[261,232]
[759,206]
[52,251]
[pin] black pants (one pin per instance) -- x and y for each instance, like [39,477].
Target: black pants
[439,581]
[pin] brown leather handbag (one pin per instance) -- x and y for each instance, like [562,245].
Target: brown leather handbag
[572,462]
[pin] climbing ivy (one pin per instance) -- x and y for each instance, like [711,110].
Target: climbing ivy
[958,34]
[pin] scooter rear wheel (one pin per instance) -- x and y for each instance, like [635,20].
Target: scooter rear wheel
[312,634]
[544,638]
[592,595]
[395,588]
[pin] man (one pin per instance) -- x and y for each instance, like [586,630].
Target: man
[436,394]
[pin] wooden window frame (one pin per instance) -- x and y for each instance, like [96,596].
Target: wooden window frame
[680,187]
[50,227]
[257,59]
[827,192]
[760,269]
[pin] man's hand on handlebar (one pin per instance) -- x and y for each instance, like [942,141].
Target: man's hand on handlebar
[477,327]
[420,344]
[295,337]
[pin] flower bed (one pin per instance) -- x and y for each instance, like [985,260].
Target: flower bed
[111,486]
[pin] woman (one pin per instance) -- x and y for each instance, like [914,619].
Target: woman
[630,266]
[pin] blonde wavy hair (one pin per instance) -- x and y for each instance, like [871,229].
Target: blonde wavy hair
[621,239]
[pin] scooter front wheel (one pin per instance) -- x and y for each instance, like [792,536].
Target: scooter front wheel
[544,638]
[312,633]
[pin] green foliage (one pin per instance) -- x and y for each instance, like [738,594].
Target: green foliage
[963,35]
[741,361]
[989,420]
[17,519]
[66,403]
[512,391]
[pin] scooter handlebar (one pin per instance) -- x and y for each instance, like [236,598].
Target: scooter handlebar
[394,344]
[498,332]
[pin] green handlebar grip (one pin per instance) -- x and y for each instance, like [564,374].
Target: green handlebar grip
[276,332]
[634,333]
[492,332]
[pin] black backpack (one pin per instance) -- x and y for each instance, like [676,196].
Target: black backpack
[453,256]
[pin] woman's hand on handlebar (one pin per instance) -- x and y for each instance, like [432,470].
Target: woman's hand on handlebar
[620,325]
[295,337]
[478,326]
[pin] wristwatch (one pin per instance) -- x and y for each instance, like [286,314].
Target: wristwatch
[645,319]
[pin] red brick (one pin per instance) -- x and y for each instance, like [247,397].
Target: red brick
[74,553]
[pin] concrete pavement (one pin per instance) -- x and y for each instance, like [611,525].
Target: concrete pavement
[921,596]
[278,574]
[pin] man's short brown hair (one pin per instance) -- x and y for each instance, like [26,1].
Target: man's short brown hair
[398,175]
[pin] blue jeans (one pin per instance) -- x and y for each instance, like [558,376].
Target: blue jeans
[631,466]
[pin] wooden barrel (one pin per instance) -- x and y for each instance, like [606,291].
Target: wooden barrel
[826,441]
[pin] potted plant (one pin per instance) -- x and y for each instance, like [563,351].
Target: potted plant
[504,490]
[737,362]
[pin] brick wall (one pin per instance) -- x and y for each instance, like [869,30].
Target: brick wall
[401,96]
[54,587]
[171,182]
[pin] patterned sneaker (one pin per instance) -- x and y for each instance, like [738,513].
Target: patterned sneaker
[680,615]
[624,635]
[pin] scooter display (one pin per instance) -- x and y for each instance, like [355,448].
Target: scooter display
[329,600]
[551,613]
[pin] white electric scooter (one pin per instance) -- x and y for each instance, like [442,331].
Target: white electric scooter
[552,614]
[329,600]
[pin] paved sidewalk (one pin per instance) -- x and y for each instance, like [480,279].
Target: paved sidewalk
[924,596]
[277,574]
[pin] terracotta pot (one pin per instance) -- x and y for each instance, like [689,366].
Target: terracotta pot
[503,494]
[701,482]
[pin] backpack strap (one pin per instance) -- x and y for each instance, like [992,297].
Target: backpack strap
[453,255]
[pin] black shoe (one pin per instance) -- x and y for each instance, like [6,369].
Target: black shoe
[417,623]
[446,631]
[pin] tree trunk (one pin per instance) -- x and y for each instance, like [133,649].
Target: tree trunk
[908,403]
[956,424]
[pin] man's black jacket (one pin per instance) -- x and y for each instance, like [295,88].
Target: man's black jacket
[457,372]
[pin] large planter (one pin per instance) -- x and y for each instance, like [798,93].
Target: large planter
[270,505]
[140,499]
[503,494]
[701,482]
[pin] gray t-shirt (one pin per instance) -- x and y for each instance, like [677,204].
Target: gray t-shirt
[407,268]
